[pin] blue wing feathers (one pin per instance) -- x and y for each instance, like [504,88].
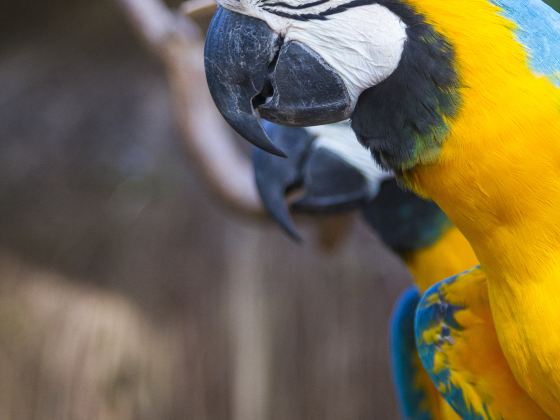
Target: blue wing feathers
[436,316]
[412,398]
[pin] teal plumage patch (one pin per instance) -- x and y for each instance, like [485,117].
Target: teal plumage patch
[405,221]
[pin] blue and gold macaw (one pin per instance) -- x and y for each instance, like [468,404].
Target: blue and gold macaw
[335,174]
[461,99]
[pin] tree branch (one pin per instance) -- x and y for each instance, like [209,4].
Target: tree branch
[209,142]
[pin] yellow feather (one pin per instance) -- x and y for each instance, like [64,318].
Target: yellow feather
[471,354]
[451,254]
[497,179]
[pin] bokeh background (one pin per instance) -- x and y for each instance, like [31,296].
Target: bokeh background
[127,291]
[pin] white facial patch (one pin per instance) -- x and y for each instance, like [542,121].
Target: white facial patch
[341,140]
[364,44]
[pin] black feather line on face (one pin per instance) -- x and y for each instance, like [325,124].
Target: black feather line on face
[294,7]
[322,15]
[402,120]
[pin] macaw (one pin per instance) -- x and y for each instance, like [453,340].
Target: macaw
[461,98]
[335,174]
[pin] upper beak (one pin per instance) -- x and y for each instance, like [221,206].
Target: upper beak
[252,73]
[275,177]
[329,183]
[237,54]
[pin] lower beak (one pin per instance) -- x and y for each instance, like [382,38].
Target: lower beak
[251,74]
[275,177]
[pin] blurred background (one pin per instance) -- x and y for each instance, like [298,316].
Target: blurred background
[127,290]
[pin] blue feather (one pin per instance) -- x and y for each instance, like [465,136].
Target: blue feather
[538,29]
[413,401]
[435,311]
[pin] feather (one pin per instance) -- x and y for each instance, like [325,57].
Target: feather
[459,348]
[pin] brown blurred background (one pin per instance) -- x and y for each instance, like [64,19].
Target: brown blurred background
[126,290]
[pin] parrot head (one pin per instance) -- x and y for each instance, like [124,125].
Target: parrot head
[409,74]
[314,62]
[331,171]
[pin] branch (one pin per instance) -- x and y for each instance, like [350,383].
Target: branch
[209,142]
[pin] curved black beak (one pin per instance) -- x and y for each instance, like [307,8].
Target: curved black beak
[275,177]
[251,74]
[237,54]
[329,183]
